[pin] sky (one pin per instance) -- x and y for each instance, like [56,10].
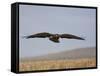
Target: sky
[56,20]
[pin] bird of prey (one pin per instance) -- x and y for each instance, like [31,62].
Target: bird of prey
[53,37]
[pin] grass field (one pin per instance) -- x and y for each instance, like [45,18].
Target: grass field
[56,64]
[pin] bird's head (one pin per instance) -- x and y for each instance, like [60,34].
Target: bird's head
[56,35]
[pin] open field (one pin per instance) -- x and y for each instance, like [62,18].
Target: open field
[77,58]
[56,64]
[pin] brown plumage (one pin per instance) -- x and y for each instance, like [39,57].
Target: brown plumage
[54,37]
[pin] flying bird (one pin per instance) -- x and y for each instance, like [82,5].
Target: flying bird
[53,37]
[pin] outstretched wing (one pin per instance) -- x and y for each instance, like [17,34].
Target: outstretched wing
[69,36]
[39,35]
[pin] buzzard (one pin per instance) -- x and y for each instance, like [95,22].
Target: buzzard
[53,37]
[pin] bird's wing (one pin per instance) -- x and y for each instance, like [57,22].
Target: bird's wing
[69,36]
[39,35]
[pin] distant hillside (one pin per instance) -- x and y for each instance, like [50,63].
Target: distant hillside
[71,54]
